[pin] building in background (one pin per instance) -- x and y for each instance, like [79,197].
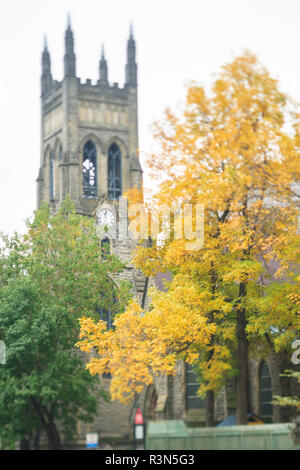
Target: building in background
[89,151]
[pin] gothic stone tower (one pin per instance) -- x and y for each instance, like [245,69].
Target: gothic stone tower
[89,151]
[89,140]
[89,134]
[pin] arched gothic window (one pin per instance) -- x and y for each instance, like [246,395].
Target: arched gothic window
[51,177]
[114,172]
[106,316]
[192,400]
[89,170]
[105,247]
[265,392]
[109,305]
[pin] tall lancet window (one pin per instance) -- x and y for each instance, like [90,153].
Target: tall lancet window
[89,169]
[107,317]
[192,400]
[51,175]
[114,172]
[105,247]
[266,407]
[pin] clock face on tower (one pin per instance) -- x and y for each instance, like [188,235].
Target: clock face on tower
[106,217]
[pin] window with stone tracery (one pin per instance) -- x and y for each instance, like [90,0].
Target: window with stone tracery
[105,247]
[89,170]
[51,177]
[114,172]
[193,400]
[265,393]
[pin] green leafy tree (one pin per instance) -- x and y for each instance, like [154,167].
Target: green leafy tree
[48,279]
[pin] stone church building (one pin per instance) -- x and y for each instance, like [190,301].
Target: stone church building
[89,150]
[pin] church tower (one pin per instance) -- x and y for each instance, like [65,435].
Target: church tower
[89,151]
[89,134]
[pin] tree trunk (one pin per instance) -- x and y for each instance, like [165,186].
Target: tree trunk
[54,440]
[242,390]
[48,424]
[210,395]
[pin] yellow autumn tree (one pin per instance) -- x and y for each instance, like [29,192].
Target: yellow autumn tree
[234,150]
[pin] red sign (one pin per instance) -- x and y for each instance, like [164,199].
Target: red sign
[138,417]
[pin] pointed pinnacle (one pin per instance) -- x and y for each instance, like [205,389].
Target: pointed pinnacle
[68,20]
[45,43]
[102,52]
[131,30]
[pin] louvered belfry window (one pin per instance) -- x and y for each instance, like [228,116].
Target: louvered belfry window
[89,170]
[114,172]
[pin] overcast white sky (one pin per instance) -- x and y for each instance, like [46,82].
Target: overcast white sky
[177,41]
